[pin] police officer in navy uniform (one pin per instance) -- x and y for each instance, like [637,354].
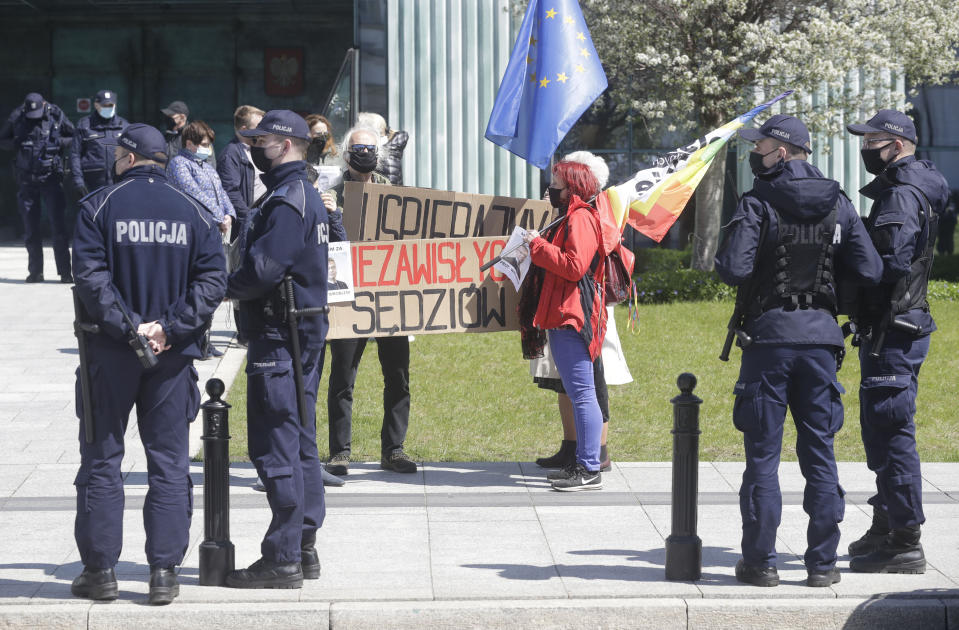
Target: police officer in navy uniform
[792,235]
[287,234]
[908,197]
[39,131]
[143,246]
[91,153]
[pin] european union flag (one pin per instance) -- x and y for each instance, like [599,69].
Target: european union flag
[553,75]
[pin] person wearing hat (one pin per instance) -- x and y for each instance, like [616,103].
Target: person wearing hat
[39,131]
[177,115]
[142,246]
[894,325]
[91,153]
[287,234]
[790,238]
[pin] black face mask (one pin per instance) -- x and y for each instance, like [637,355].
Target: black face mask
[554,200]
[362,162]
[756,163]
[260,161]
[170,124]
[316,149]
[872,161]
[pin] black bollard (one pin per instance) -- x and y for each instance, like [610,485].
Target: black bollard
[684,549]
[216,550]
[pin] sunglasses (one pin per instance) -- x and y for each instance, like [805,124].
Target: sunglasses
[363,148]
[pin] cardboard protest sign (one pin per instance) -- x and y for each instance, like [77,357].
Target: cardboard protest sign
[425,287]
[379,212]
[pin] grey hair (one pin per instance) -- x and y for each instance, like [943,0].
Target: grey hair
[345,146]
[596,165]
[374,120]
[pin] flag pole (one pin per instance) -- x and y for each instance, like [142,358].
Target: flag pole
[506,252]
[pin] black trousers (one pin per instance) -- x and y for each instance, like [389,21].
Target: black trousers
[345,355]
[29,198]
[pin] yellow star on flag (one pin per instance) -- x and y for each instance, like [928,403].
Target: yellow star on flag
[544,82]
[580,68]
[532,40]
[569,20]
[551,13]
[532,77]
[562,78]
[584,52]
[581,37]
[529,59]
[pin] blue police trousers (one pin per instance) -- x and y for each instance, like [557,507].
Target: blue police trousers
[804,379]
[283,451]
[29,197]
[887,407]
[167,400]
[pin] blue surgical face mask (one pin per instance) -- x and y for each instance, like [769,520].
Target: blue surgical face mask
[108,112]
[204,152]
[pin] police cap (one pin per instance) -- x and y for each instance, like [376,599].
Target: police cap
[176,107]
[888,121]
[143,140]
[33,106]
[281,122]
[788,129]
[106,97]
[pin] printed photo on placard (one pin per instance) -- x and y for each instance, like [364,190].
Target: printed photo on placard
[340,273]
[327,176]
[514,263]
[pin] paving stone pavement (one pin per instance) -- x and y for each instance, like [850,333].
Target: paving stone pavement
[478,544]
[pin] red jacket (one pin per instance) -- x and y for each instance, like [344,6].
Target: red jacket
[566,259]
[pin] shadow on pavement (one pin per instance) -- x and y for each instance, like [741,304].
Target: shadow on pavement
[888,610]
[58,587]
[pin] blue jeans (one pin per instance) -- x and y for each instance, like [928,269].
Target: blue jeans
[576,370]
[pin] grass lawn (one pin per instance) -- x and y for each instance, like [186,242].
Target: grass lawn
[473,399]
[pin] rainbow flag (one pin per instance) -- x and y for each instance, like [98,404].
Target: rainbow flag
[654,198]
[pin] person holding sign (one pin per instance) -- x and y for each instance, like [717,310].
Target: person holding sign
[360,147]
[563,302]
[608,369]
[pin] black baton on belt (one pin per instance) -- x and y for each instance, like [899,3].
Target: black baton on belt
[81,328]
[292,313]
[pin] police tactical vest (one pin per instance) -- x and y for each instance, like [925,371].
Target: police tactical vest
[797,270]
[909,292]
[38,154]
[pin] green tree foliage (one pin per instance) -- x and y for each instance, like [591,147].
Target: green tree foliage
[688,66]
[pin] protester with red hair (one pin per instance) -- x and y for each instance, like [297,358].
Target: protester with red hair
[562,302]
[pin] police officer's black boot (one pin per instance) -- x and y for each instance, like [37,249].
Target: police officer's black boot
[874,536]
[267,574]
[563,458]
[900,552]
[309,559]
[163,586]
[99,584]
[757,576]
